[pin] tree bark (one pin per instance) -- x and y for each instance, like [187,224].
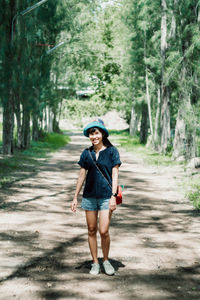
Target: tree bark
[157,122]
[26,129]
[180,138]
[133,122]
[19,122]
[8,125]
[144,124]
[35,128]
[165,121]
[149,104]
[165,112]
[8,100]
[50,120]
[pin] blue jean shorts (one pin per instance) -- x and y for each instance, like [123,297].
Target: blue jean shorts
[95,204]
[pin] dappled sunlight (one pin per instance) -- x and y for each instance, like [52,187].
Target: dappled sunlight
[43,246]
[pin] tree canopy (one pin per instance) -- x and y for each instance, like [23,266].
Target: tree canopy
[141,57]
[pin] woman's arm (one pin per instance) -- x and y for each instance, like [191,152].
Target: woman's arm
[115,172]
[79,185]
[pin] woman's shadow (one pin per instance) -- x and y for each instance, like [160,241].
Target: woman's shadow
[86,265]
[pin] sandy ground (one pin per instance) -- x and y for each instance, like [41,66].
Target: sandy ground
[155,246]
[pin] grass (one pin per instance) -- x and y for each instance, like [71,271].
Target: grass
[25,162]
[194,195]
[132,144]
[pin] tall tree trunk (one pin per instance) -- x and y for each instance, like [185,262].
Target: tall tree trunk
[165,121]
[191,145]
[133,122]
[147,87]
[144,124]
[149,104]
[35,127]
[180,138]
[165,112]
[26,128]
[50,120]
[157,122]
[19,122]
[8,125]
[8,100]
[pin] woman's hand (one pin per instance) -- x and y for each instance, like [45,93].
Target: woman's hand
[74,204]
[112,203]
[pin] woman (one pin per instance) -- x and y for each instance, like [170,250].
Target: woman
[99,166]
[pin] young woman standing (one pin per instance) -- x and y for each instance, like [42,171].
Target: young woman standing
[97,162]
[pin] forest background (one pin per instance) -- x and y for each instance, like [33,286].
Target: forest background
[76,58]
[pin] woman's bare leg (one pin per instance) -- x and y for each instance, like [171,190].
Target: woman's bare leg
[104,222]
[91,217]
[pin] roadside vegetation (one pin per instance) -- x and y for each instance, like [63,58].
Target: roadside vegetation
[22,163]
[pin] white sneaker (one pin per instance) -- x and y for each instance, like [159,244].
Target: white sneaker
[95,269]
[109,270]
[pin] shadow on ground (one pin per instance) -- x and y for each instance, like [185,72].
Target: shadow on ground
[43,246]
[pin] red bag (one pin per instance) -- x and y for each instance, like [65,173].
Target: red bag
[119,195]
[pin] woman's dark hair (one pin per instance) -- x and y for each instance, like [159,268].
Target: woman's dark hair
[105,139]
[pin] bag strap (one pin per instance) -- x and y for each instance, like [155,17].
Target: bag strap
[99,169]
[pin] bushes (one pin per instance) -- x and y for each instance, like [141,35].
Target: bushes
[194,195]
[55,140]
[84,108]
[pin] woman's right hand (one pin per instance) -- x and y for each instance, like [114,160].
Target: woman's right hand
[74,205]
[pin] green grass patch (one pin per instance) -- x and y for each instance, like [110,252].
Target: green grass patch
[132,144]
[194,195]
[25,162]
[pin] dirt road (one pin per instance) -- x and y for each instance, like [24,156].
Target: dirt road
[155,244]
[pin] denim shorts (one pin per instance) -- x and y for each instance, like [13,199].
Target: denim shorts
[95,204]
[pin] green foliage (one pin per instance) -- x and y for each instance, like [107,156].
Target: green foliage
[84,108]
[55,140]
[132,144]
[194,195]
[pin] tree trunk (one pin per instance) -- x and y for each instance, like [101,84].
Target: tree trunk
[190,145]
[8,125]
[157,122]
[180,138]
[50,119]
[165,112]
[144,124]
[165,121]
[149,104]
[26,129]
[133,122]
[35,128]
[19,122]
[7,97]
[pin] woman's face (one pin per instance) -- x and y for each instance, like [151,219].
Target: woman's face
[96,137]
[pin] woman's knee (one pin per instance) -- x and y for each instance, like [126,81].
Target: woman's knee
[104,233]
[92,230]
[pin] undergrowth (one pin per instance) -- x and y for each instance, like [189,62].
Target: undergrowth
[132,144]
[194,195]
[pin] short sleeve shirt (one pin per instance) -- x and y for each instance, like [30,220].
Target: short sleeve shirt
[96,186]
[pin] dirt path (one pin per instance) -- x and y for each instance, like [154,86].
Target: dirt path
[43,246]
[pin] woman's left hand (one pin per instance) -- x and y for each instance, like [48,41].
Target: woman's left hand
[112,203]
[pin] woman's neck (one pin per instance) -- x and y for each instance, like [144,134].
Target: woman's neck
[99,147]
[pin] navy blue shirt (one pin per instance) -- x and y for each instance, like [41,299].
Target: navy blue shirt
[96,185]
